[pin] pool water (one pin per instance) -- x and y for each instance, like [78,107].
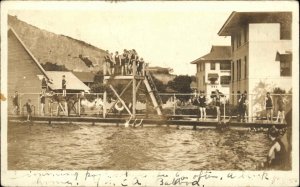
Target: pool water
[83,146]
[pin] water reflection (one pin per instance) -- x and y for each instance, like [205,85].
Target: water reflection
[70,146]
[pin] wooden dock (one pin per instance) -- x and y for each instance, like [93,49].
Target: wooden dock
[192,122]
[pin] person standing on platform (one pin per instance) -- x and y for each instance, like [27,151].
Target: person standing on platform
[140,66]
[42,100]
[64,86]
[202,105]
[112,63]
[117,59]
[281,109]
[16,103]
[269,107]
[107,63]
[130,60]
[124,62]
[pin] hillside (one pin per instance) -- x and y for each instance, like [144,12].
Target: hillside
[76,55]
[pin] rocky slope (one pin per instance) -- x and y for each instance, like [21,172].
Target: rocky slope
[76,55]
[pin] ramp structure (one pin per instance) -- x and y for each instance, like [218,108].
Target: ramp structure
[152,91]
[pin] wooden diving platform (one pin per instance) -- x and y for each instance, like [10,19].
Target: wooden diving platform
[123,77]
[149,121]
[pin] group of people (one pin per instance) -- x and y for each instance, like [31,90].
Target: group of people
[16,106]
[122,64]
[281,108]
[201,101]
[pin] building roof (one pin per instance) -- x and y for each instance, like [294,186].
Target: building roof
[85,76]
[73,83]
[221,53]
[237,19]
[29,52]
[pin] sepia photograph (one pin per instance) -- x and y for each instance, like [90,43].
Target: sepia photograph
[135,93]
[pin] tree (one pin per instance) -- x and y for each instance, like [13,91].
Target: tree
[181,84]
[159,85]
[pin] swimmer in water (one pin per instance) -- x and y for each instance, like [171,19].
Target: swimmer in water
[277,153]
[126,124]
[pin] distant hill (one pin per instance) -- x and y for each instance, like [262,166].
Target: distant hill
[57,49]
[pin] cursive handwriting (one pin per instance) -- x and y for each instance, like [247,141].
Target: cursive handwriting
[128,178]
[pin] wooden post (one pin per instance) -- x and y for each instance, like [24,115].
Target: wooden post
[104,103]
[39,112]
[174,109]
[134,89]
[133,97]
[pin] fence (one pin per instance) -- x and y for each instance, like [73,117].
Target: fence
[176,104]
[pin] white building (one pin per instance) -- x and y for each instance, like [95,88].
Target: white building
[213,70]
[261,54]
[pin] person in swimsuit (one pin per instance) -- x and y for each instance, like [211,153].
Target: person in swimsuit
[269,107]
[202,105]
[140,67]
[281,108]
[117,59]
[42,100]
[28,109]
[112,63]
[64,86]
[277,155]
[124,62]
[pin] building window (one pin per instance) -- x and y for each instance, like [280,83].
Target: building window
[225,66]
[225,80]
[285,65]
[204,80]
[212,66]
[246,70]
[239,69]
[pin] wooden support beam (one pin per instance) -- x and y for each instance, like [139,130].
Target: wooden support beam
[137,86]
[121,100]
[123,91]
[104,104]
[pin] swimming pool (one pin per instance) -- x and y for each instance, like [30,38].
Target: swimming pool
[83,146]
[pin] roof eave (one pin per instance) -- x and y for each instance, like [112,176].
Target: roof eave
[222,30]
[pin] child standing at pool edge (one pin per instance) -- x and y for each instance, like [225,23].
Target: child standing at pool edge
[28,109]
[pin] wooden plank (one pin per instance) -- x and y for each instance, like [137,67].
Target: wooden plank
[148,121]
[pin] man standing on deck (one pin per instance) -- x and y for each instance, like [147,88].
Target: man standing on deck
[242,107]
[42,100]
[64,86]
[218,104]
[269,107]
